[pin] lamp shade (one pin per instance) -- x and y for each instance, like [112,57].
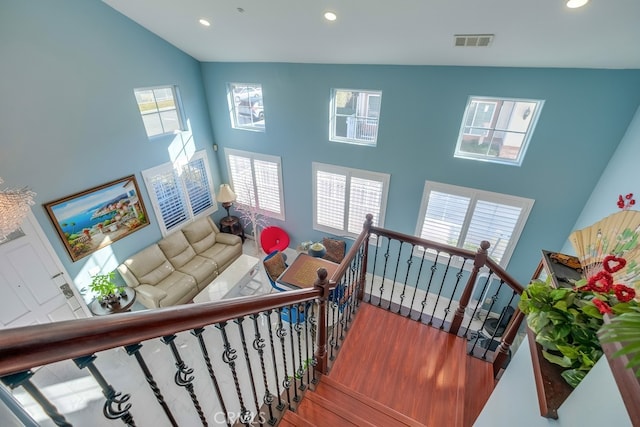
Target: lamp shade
[226,194]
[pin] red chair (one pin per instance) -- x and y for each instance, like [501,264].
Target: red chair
[274,239]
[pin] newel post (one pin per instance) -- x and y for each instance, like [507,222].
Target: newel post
[478,262]
[320,355]
[365,254]
[502,353]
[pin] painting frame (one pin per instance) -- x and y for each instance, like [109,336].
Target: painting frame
[93,219]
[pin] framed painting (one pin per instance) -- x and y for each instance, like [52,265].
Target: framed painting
[95,218]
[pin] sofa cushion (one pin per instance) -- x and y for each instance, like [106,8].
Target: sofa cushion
[201,234]
[177,249]
[223,255]
[335,249]
[150,266]
[275,266]
[180,288]
[203,269]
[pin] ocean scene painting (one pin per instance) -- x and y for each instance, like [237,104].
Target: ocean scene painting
[95,218]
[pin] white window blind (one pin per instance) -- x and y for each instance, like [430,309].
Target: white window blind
[180,193]
[464,217]
[257,181]
[343,197]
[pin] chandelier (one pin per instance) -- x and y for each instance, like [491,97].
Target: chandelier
[14,206]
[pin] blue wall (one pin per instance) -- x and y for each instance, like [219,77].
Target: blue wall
[69,122]
[69,118]
[585,115]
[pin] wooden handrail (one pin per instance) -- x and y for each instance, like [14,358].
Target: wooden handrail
[465,253]
[26,347]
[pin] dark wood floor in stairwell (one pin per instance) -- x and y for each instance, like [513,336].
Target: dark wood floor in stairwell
[417,370]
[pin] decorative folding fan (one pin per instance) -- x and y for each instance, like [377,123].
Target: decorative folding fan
[617,236]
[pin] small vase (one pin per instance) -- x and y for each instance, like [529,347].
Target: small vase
[317,250]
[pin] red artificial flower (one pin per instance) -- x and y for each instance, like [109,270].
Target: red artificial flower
[611,263]
[601,282]
[602,306]
[629,196]
[624,293]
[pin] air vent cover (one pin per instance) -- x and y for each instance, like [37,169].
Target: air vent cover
[473,40]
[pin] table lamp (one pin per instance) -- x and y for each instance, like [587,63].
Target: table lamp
[226,196]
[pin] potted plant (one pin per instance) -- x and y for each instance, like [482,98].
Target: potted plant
[566,321]
[105,288]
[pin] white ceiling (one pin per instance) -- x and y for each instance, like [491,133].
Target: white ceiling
[534,33]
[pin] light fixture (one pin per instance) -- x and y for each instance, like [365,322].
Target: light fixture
[226,196]
[204,22]
[330,16]
[14,206]
[574,4]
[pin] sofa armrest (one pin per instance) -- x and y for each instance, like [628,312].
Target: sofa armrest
[228,239]
[150,294]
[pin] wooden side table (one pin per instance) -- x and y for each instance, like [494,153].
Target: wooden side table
[232,225]
[122,306]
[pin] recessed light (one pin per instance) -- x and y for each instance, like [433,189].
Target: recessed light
[330,16]
[573,4]
[204,22]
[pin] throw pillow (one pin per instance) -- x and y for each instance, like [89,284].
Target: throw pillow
[275,266]
[335,249]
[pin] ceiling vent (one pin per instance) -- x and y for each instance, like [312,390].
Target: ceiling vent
[473,40]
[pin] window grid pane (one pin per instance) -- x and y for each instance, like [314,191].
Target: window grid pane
[495,223]
[355,116]
[267,188]
[330,199]
[195,178]
[365,197]
[170,199]
[444,218]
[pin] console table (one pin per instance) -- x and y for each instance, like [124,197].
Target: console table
[123,305]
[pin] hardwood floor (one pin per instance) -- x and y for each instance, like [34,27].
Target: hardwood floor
[417,370]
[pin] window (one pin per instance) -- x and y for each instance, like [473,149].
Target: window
[463,217]
[180,193]
[355,116]
[257,181]
[245,106]
[497,130]
[342,198]
[159,109]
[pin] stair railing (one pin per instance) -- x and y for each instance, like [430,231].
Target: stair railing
[271,362]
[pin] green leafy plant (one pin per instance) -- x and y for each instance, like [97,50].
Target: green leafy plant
[625,329]
[104,286]
[566,321]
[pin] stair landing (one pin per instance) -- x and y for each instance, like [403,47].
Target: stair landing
[400,372]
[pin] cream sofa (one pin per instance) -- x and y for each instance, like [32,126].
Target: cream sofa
[173,270]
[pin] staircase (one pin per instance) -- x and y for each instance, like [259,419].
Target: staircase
[334,404]
[388,375]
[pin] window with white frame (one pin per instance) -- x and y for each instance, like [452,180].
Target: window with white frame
[355,116]
[246,108]
[257,181]
[497,129]
[159,107]
[464,217]
[180,193]
[342,197]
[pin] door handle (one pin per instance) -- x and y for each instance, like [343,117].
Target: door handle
[57,275]
[66,291]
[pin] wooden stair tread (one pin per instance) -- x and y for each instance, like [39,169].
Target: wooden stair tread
[292,419]
[363,406]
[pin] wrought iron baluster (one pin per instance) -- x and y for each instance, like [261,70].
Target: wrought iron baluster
[134,350]
[373,269]
[495,333]
[395,275]
[433,268]
[478,307]
[335,316]
[479,334]
[415,290]
[296,398]
[281,333]
[313,322]
[229,356]
[459,275]
[384,271]
[435,306]
[183,377]
[298,328]
[406,279]
[23,379]
[307,322]
[207,360]
[116,404]
[243,340]
[259,345]
[280,406]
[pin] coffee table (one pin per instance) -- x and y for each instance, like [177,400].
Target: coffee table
[235,281]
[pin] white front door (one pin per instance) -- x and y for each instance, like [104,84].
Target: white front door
[34,285]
